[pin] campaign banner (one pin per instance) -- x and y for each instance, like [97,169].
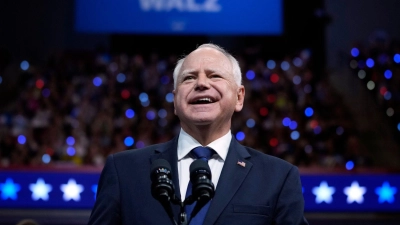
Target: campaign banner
[322,193]
[197,17]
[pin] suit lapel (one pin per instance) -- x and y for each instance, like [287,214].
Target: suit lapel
[232,176]
[168,151]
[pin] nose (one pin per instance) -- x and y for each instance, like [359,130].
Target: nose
[202,82]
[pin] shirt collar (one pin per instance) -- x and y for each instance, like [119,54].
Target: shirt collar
[186,143]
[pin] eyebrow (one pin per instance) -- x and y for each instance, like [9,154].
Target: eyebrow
[194,71]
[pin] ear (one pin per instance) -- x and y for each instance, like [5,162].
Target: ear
[240,98]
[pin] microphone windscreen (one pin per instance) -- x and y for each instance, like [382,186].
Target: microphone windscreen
[199,166]
[160,166]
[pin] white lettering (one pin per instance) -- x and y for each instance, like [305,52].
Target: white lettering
[211,6]
[147,5]
[180,5]
[192,6]
[174,4]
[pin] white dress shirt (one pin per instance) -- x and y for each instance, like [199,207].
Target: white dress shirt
[186,143]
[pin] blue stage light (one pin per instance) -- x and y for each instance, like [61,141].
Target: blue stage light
[355,52]
[129,141]
[169,97]
[308,111]
[250,123]
[24,65]
[240,136]
[250,75]
[21,139]
[143,97]
[349,165]
[121,78]
[130,113]
[97,81]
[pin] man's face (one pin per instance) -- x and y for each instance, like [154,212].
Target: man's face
[206,92]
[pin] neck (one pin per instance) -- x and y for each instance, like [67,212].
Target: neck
[205,134]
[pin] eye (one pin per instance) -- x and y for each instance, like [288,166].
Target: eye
[188,78]
[215,76]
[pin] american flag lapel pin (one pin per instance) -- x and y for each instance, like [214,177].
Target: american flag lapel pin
[241,163]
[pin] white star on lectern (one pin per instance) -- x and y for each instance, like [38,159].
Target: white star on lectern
[355,193]
[323,193]
[40,190]
[72,190]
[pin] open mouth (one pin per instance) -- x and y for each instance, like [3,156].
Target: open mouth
[202,101]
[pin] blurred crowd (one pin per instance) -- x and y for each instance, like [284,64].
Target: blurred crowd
[76,109]
[377,65]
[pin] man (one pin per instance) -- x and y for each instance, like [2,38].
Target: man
[251,187]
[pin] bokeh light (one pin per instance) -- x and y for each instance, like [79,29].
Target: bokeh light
[121,78]
[162,113]
[297,62]
[349,165]
[271,64]
[264,111]
[370,63]
[21,139]
[39,83]
[71,151]
[296,80]
[273,142]
[46,93]
[140,144]
[125,94]
[308,111]
[293,125]
[97,81]
[46,158]
[240,136]
[286,121]
[250,75]
[285,66]
[355,52]
[274,78]
[388,74]
[388,95]
[150,115]
[129,141]
[24,65]
[70,140]
[317,130]
[396,58]
[371,85]
[169,97]
[294,135]
[1,79]
[390,111]
[362,74]
[353,64]
[130,113]
[250,123]
[339,130]
[143,97]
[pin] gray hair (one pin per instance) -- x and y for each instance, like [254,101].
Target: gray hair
[237,73]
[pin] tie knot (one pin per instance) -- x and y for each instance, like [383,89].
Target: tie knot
[203,153]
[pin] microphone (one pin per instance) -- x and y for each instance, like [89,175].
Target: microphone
[202,186]
[162,187]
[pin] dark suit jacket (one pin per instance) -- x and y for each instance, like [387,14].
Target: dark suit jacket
[267,190]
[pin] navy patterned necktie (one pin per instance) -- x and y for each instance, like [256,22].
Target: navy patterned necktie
[203,153]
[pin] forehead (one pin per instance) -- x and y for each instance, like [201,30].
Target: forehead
[206,58]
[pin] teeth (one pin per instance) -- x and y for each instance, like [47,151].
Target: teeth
[205,99]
